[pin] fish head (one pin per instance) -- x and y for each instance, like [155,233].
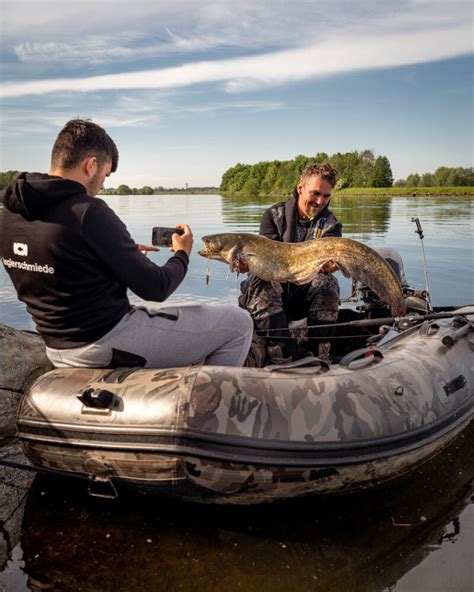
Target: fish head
[221,247]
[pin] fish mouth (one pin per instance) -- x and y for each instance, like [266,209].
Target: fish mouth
[209,251]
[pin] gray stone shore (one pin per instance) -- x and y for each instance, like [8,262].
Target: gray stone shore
[22,360]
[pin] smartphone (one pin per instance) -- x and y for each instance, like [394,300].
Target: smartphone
[161,236]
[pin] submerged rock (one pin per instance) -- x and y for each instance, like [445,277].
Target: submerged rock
[22,360]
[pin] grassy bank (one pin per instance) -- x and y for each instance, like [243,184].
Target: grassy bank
[405,191]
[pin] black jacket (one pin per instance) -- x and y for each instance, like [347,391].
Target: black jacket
[71,260]
[280,220]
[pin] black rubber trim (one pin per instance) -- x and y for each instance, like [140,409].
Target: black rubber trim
[235,449]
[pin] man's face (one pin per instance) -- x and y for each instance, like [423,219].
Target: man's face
[96,182]
[313,197]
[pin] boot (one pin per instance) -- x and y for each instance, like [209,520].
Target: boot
[318,338]
[324,351]
[278,340]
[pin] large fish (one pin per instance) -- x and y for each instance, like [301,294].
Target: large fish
[298,263]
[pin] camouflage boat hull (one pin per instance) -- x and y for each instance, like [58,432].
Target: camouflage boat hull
[243,435]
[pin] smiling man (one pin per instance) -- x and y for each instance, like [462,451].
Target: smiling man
[304,216]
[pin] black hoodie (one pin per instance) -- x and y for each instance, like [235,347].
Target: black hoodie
[71,260]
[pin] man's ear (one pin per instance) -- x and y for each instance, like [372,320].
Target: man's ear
[299,188]
[90,166]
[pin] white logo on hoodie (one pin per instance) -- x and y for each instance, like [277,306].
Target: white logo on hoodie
[20,249]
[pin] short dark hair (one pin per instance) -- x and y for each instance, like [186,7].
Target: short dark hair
[79,139]
[325,170]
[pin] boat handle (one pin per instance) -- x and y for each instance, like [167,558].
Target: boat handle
[450,340]
[364,356]
[99,487]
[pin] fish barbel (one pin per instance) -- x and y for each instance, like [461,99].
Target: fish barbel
[298,263]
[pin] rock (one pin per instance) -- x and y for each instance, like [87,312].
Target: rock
[22,360]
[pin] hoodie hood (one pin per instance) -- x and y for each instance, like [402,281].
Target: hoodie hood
[32,194]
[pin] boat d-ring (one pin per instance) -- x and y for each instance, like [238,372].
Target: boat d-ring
[363,357]
[102,487]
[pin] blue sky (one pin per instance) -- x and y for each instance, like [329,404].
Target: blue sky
[189,88]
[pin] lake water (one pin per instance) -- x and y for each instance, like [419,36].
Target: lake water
[413,535]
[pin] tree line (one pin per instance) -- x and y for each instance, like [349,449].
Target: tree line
[8,176]
[356,169]
[442,177]
[147,190]
[279,177]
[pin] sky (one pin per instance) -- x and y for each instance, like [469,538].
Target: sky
[189,88]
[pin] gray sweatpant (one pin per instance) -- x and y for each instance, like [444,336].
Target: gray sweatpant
[167,337]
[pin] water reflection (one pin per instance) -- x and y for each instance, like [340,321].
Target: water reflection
[361,217]
[14,487]
[365,542]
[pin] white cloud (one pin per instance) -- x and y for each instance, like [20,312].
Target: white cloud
[327,58]
[85,32]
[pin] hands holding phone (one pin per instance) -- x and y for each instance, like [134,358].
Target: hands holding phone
[179,238]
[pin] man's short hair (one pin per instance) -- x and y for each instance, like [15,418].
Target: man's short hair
[324,170]
[79,139]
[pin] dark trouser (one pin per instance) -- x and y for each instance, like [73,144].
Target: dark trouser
[272,306]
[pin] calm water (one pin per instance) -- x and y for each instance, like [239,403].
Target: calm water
[416,535]
[448,242]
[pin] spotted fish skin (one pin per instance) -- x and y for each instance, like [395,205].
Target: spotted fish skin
[298,263]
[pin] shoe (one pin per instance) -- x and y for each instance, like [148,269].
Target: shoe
[300,352]
[276,356]
[324,350]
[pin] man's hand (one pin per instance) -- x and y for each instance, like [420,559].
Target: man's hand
[182,242]
[329,267]
[144,249]
[243,267]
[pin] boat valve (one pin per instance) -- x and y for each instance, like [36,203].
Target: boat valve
[99,399]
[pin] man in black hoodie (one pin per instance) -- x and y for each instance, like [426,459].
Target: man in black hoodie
[304,216]
[71,260]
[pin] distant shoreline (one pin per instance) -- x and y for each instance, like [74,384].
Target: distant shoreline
[347,192]
[385,192]
[405,191]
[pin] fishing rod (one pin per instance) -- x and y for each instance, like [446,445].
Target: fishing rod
[419,232]
[379,321]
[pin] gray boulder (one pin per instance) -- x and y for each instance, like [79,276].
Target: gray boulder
[22,360]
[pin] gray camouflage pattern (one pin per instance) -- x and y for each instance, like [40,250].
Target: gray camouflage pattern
[264,299]
[248,435]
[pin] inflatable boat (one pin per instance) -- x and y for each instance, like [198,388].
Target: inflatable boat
[248,435]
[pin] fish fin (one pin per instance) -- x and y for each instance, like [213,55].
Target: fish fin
[331,264]
[343,270]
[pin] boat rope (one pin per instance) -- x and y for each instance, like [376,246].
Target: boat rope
[15,465]
[11,390]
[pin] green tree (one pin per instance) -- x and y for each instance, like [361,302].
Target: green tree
[145,190]
[426,180]
[366,168]
[400,183]
[413,180]
[268,182]
[382,175]
[123,190]
[7,177]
